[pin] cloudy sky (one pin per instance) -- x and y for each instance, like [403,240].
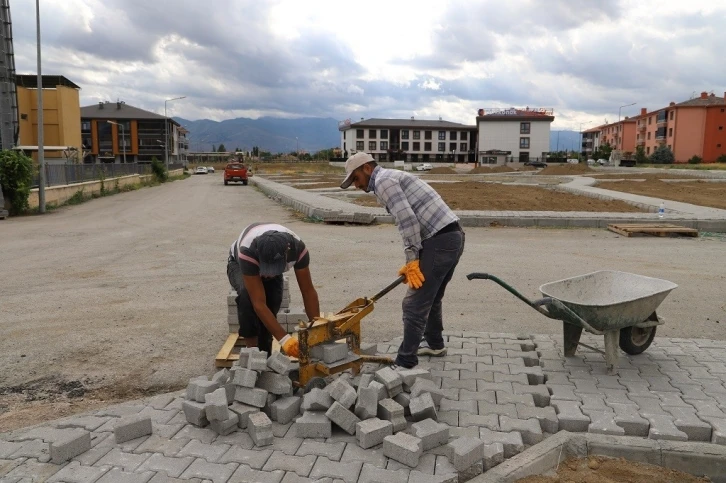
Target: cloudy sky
[393,58]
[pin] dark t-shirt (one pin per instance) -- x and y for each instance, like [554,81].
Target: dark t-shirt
[246,252]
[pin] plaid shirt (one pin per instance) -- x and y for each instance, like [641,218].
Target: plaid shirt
[417,208]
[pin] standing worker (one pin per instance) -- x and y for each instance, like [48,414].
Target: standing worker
[433,242]
[256,262]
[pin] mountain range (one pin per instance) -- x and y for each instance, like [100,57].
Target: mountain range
[309,134]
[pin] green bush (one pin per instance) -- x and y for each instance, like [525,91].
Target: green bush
[662,155]
[160,173]
[16,178]
[640,156]
[721,159]
[695,159]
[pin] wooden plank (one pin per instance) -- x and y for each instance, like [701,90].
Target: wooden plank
[225,356]
[657,229]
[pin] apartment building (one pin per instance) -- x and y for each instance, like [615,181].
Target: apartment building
[413,140]
[590,141]
[513,135]
[61,116]
[115,132]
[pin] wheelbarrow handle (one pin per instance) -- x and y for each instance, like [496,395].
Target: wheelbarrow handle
[510,289]
[387,289]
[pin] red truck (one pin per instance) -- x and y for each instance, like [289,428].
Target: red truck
[235,172]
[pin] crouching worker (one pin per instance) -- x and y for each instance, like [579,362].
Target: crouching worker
[257,260]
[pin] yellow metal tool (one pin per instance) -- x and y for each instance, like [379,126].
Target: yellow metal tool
[344,325]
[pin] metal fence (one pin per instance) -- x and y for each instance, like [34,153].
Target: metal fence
[62,174]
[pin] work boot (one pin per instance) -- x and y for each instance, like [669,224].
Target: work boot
[425,350]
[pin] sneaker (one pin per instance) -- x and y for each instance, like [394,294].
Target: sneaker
[425,350]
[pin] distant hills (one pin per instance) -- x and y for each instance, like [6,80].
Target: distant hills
[279,135]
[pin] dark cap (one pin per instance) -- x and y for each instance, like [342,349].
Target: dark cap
[272,246]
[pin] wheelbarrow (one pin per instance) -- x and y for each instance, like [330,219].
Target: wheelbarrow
[619,305]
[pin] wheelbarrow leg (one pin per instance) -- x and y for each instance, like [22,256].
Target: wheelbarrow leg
[612,339]
[571,337]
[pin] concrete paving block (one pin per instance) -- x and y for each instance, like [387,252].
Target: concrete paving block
[382,392]
[267,408]
[404,399]
[399,424]
[342,392]
[244,377]
[227,426]
[431,433]
[512,442]
[279,363]
[331,352]
[132,427]
[368,349]
[409,376]
[371,432]
[327,471]
[194,413]
[718,425]
[367,405]
[426,385]
[317,400]
[628,418]
[251,396]
[493,455]
[467,420]
[341,416]
[285,409]
[243,411]
[404,448]
[465,452]
[546,416]
[259,428]
[687,421]
[540,394]
[274,383]
[662,427]
[504,397]
[257,361]
[529,428]
[74,442]
[390,379]
[500,409]
[423,407]
[419,477]
[603,422]
[570,416]
[534,374]
[215,405]
[562,392]
[202,388]
[313,424]
[389,409]
[465,406]
[221,376]
[364,380]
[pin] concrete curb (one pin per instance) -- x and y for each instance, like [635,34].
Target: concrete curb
[700,459]
[330,210]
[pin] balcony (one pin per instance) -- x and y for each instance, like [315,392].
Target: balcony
[661,119]
[642,127]
[640,142]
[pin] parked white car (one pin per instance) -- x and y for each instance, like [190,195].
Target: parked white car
[424,167]
[210,169]
[200,170]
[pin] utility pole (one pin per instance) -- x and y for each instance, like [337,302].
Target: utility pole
[41,148]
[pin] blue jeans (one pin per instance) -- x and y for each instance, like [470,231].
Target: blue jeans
[422,308]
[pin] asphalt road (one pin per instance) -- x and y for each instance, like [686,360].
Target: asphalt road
[129,291]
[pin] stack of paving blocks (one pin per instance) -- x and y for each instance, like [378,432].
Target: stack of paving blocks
[287,317]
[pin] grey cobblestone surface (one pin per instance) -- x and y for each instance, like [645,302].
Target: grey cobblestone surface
[676,390]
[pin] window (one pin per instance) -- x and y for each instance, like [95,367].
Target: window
[417,134]
[404,145]
[670,132]
[371,145]
[359,145]
[463,136]
[359,133]
[524,143]
[417,146]
[452,136]
[462,147]
[650,120]
[452,146]
[648,135]
[524,128]
[442,135]
[404,134]
[384,145]
[427,146]
[86,126]
[372,133]
[647,150]
[523,156]
[720,128]
[384,133]
[675,111]
[427,134]
[442,146]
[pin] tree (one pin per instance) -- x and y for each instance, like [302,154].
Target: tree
[602,152]
[255,151]
[640,157]
[214,149]
[221,149]
[16,178]
[662,155]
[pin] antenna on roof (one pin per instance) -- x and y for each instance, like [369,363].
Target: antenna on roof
[440,118]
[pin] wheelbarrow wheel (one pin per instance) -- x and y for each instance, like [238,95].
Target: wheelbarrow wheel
[635,340]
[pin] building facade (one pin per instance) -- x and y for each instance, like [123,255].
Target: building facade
[114,132]
[409,140]
[513,135]
[61,116]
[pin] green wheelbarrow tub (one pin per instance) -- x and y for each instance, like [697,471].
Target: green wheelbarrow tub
[610,300]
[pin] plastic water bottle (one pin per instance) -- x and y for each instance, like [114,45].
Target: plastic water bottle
[661,209]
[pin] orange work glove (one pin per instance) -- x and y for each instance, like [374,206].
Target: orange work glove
[412,273]
[290,346]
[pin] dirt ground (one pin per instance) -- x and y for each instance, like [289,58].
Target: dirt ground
[473,195]
[700,192]
[125,295]
[598,469]
[499,169]
[442,170]
[644,176]
[564,169]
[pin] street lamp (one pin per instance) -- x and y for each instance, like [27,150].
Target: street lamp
[166,131]
[123,136]
[297,147]
[41,147]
